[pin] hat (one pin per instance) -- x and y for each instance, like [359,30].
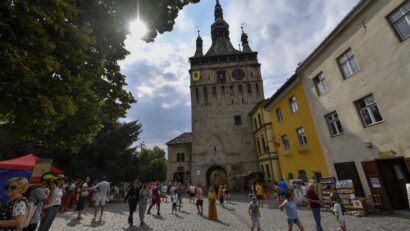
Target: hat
[49,176]
[61,177]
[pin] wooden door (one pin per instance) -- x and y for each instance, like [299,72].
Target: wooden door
[372,173]
[348,171]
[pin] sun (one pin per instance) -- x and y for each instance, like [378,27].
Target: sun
[138,28]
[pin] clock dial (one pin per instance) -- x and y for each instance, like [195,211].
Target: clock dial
[238,74]
[196,76]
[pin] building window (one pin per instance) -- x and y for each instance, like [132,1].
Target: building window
[320,84]
[221,78]
[290,176]
[317,176]
[293,104]
[369,111]
[180,157]
[223,90]
[263,145]
[259,119]
[334,124]
[285,142]
[348,64]
[302,175]
[258,144]
[278,112]
[238,120]
[197,95]
[257,89]
[231,92]
[248,86]
[240,89]
[206,95]
[180,169]
[263,170]
[214,92]
[400,20]
[267,170]
[255,123]
[301,136]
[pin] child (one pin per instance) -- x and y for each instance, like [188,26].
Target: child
[174,199]
[337,211]
[291,213]
[255,214]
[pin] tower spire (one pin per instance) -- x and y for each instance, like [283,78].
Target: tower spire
[244,39]
[199,51]
[218,10]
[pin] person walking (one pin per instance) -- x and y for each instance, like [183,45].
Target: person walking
[283,189]
[156,199]
[50,210]
[337,211]
[314,204]
[227,193]
[259,193]
[174,199]
[199,200]
[212,213]
[143,201]
[254,214]
[221,195]
[102,190]
[132,196]
[83,192]
[191,192]
[291,213]
[179,192]
[13,213]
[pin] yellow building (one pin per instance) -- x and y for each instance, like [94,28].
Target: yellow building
[267,155]
[296,140]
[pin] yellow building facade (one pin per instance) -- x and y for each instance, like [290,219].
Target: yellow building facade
[295,137]
[268,159]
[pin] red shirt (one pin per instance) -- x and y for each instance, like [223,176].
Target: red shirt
[221,193]
[311,194]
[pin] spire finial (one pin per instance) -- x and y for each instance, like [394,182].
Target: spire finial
[217,2]
[199,32]
[242,27]
[218,10]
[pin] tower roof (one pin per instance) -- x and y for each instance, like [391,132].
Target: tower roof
[221,44]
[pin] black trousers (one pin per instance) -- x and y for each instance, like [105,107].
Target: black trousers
[133,207]
[31,227]
[152,204]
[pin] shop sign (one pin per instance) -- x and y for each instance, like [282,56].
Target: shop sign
[198,172]
[375,182]
[42,166]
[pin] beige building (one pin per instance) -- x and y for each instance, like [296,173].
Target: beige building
[265,149]
[180,158]
[357,82]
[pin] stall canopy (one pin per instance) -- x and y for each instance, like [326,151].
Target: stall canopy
[26,162]
[21,167]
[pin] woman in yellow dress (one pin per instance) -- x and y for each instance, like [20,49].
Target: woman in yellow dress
[212,215]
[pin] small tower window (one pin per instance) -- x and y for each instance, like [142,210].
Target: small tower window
[223,90]
[197,95]
[221,78]
[238,120]
[240,89]
[206,95]
[248,86]
[231,92]
[214,92]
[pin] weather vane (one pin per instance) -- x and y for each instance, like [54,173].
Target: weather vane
[242,26]
[198,31]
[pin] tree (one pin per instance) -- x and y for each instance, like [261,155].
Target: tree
[152,164]
[60,81]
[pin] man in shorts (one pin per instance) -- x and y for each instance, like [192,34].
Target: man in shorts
[254,214]
[102,189]
[199,200]
[259,193]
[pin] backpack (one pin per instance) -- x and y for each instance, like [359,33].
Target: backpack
[31,206]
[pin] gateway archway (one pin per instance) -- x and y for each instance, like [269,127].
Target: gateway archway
[215,176]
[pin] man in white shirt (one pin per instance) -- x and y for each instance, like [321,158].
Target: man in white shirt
[102,189]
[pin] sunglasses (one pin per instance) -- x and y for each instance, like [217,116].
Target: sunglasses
[11,187]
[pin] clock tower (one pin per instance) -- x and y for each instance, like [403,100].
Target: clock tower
[225,85]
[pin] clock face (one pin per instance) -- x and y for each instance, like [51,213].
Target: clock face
[238,74]
[196,76]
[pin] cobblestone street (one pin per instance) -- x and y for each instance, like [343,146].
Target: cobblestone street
[234,218]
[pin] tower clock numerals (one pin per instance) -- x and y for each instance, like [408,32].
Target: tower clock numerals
[238,74]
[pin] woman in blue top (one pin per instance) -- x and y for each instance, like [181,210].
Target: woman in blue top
[291,212]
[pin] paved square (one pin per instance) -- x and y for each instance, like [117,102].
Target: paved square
[232,218]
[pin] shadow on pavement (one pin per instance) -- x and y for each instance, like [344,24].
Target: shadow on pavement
[182,211]
[178,216]
[144,227]
[74,222]
[158,217]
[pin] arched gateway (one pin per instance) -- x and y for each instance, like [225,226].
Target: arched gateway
[215,176]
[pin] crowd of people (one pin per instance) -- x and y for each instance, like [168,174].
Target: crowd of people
[35,206]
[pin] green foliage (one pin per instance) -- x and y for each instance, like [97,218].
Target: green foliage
[60,81]
[152,164]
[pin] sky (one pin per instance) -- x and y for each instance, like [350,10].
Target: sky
[284,32]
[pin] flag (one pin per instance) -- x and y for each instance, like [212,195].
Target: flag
[276,142]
